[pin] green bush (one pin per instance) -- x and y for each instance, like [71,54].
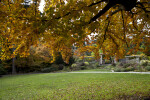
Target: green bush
[45,64]
[76,68]
[78,60]
[113,64]
[149,58]
[86,63]
[144,62]
[109,67]
[52,68]
[59,59]
[35,68]
[107,61]
[71,60]
[129,69]
[66,68]
[46,70]
[80,64]
[2,70]
[93,66]
[148,63]
[147,68]
[89,59]
[118,69]
[74,65]
[126,65]
[97,64]
[119,64]
[83,67]
[60,66]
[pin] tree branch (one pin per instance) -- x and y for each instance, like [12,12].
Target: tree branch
[142,6]
[105,32]
[124,28]
[96,3]
[113,13]
[80,9]
[133,21]
[101,12]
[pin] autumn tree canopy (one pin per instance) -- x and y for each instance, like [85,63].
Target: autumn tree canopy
[120,26]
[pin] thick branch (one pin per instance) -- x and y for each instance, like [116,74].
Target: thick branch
[80,9]
[101,12]
[127,4]
[124,28]
[113,13]
[96,3]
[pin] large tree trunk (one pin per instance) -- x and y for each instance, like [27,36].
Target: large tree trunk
[13,64]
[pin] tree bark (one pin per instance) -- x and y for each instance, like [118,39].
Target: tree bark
[13,64]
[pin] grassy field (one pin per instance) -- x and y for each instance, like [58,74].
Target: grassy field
[73,86]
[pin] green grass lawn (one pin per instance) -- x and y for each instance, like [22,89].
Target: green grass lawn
[73,86]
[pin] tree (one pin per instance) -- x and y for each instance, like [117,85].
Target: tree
[118,24]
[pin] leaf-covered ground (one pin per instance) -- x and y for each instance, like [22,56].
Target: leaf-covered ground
[73,86]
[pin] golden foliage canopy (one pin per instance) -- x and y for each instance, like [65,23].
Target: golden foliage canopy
[120,26]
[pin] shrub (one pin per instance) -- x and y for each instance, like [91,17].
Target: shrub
[139,68]
[113,64]
[129,69]
[117,70]
[89,59]
[86,63]
[93,66]
[144,62]
[2,70]
[55,67]
[71,60]
[59,59]
[109,67]
[35,68]
[147,68]
[83,67]
[97,64]
[45,64]
[78,60]
[81,64]
[61,66]
[149,58]
[46,70]
[148,63]
[107,61]
[74,65]
[126,65]
[52,68]
[66,68]
[123,70]
[119,64]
